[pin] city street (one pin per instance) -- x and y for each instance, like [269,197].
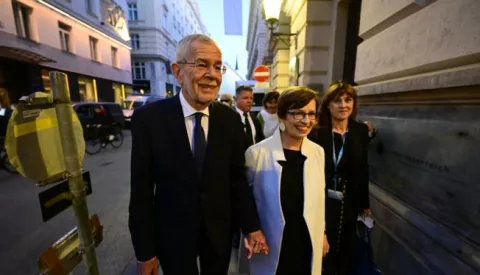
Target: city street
[25,236]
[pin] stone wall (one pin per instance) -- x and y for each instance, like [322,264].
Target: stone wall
[419,75]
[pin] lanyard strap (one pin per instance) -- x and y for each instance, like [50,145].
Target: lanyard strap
[340,155]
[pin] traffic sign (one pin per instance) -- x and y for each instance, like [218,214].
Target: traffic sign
[33,141]
[261,73]
[58,198]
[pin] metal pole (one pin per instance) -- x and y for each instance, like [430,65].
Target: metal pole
[61,95]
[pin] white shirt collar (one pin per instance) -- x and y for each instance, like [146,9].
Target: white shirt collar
[188,110]
[239,111]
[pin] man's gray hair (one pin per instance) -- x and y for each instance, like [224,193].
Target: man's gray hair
[184,45]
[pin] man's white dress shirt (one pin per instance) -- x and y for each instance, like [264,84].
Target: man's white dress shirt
[250,120]
[188,113]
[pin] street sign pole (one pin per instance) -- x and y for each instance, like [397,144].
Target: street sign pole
[61,95]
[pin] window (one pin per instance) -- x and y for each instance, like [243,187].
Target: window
[93,48]
[115,57]
[138,70]
[64,33]
[85,111]
[132,12]
[174,23]
[89,4]
[135,40]
[22,16]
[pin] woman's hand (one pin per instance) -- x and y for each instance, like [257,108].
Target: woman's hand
[326,246]
[367,212]
[256,247]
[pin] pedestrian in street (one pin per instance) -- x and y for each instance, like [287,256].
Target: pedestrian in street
[187,172]
[243,105]
[345,143]
[287,176]
[268,115]
[227,99]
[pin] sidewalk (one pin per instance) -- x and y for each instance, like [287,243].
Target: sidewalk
[131,267]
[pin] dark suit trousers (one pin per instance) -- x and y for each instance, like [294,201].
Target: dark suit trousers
[211,263]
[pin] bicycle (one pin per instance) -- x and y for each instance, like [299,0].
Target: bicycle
[4,160]
[100,136]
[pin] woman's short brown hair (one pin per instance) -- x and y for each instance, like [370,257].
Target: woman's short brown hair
[269,96]
[336,90]
[294,98]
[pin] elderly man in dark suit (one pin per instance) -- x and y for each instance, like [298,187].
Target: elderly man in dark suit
[188,181]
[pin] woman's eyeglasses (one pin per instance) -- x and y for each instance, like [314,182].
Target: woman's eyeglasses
[302,115]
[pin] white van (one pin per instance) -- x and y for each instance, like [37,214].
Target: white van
[133,102]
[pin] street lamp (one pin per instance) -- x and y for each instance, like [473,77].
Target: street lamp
[272,9]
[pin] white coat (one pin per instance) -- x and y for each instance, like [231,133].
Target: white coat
[264,175]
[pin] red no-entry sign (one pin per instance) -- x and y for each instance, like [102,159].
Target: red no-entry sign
[261,73]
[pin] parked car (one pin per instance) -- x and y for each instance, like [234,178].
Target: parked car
[99,113]
[133,102]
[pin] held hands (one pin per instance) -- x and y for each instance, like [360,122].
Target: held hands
[256,243]
[149,267]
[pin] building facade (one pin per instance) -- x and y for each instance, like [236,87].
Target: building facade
[301,47]
[418,76]
[257,38]
[229,79]
[156,26]
[86,39]
[416,65]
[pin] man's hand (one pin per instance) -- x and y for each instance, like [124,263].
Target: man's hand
[326,246]
[149,267]
[256,243]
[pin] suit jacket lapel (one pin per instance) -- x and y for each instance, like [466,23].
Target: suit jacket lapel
[179,136]
[214,138]
[346,149]
[326,135]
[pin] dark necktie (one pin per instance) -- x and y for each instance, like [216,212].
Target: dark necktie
[199,143]
[248,130]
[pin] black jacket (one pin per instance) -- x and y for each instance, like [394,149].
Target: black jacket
[354,164]
[259,135]
[170,204]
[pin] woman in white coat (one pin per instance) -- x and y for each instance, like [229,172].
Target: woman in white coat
[286,172]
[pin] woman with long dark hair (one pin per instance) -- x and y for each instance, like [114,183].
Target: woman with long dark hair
[345,143]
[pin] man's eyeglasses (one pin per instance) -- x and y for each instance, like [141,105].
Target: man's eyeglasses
[301,115]
[202,66]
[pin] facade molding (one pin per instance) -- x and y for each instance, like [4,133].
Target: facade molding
[65,11]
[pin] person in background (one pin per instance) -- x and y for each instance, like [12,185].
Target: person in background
[243,105]
[345,142]
[227,99]
[286,172]
[268,115]
[188,180]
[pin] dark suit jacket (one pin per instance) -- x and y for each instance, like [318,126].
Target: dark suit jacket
[354,164]
[259,135]
[170,204]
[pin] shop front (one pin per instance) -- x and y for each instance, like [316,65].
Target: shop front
[18,79]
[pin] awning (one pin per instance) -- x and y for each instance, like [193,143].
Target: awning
[23,55]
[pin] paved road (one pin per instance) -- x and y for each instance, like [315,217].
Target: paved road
[24,236]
